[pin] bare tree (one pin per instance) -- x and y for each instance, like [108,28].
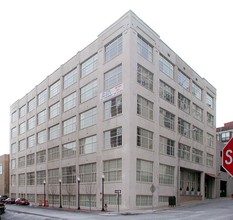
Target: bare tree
[70,189]
[89,194]
[52,190]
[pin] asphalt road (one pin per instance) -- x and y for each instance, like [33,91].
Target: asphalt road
[215,209]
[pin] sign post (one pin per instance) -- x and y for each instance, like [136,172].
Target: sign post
[227,157]
[118,192]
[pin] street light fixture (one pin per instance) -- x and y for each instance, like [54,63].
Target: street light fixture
[44,192]
[102,193]
[60,193]
[78,193]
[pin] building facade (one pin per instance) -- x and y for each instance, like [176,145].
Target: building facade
[125,113]
[4,174]
[224,181]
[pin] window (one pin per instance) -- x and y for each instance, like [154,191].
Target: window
[197,112]
[1,168]
[13,180]
[42,97]
[22,145]
[13,132]
[144,107]
[113,49]
[183,103]
[69,102]
[40,177]
[54,89]
[112,199]
[144,172]
[183,80]
[87,172]
[53,153]
[30,159]
[225,136]
[88,200]
[21,162]
[69,200]
[31,141]
[113,78]
[210,140]
[69,175]
[144,200]
[54,132]
[88,118]
[166,174]
[184,151]
[31,123]
[41,117]
[184,128]
[166,66]
[13,117]
[197,156]
[22,128]
[31,105]
[197,91]
[22,111]
[54,110]
[209,160]
[145,77]
[41,137]
[30,178]
[13,164]
[113,107]
[166,92]
[41,156]
[69,126]
[89,65]
[166,146]
[69,149]
[144,138]
[113,170]
[53,176]
[70,78]
[87,145]
[144,48]
[198,135]
[88,91]
[209,101]
[167,119]
[113,138]
[13,148]
[21,179]
[210,120]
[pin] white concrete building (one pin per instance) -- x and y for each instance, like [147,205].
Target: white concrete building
[126,107]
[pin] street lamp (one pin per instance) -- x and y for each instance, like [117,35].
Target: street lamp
[60,192]
[44,191]
[102,193]
[78,193]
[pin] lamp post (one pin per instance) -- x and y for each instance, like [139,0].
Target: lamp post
[102,193]
[78,193]
[60,192]
[44,191]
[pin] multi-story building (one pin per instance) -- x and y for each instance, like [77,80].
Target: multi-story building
[127,109]
[224,183]
[4,174]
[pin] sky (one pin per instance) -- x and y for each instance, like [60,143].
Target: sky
[38,36]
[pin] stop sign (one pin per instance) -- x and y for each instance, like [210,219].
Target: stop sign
[227,157]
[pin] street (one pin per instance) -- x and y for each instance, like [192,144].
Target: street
[215,209]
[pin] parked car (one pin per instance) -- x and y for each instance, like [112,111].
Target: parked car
[3,197]
[2,208]
[21,201]
[10,201]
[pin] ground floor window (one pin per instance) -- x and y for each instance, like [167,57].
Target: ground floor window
[143,200]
